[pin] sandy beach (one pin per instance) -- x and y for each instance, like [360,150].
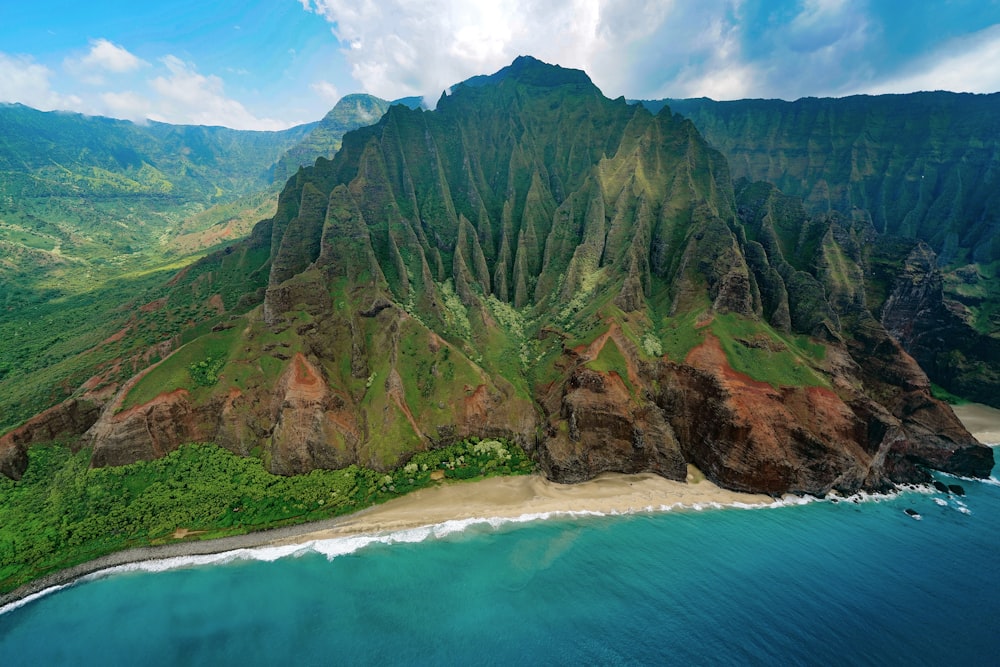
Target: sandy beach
[498,497]
[982,421]
[512,497]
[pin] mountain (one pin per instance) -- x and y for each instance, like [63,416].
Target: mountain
[94,212]
[323,140]
[88,191]
[921,166]
[535,261]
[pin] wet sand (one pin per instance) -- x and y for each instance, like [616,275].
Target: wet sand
[981,420]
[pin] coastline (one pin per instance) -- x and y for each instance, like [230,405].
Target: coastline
[508,498]
[532,496]
[982,421]
[491,498]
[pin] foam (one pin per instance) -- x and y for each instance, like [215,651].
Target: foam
[16,604]
[342,546]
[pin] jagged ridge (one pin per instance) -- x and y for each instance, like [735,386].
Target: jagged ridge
[535,260]
[920,166]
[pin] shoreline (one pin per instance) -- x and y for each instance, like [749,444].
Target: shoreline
[982,421]
[508,498]
[485,499]
[533,496]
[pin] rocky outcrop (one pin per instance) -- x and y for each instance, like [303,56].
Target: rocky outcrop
[600,428]
[939,333]
[751,436]
[748,435]
[67,421]
[312,427]
[146,432]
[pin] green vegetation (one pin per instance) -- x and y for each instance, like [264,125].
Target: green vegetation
[96,215]
[943,394]
[205,373]
[681,334]
[197,364]
[611,359]
[755,349]
[61,513]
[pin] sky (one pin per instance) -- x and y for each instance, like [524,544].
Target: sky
[268,65]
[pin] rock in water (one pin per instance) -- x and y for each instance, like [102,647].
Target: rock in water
[956,489]
[941,486]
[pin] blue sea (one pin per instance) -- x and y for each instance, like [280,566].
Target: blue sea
[822,583]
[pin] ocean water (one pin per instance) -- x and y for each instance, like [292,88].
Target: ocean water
[847,583]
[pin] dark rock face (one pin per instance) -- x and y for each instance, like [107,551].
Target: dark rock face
[145,432]
[938,331]
[307,431]
[606,430]
[13,460]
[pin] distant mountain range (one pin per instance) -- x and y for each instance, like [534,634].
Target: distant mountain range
[922,166]
[535,261]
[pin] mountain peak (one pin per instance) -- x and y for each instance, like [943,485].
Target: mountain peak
[362,107]
[534,72]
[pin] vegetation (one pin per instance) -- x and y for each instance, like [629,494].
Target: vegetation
[610,359]
[96,215]
[756,350]
[444,268]
[62,513]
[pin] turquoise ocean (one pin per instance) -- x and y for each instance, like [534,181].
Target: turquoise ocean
[821,583]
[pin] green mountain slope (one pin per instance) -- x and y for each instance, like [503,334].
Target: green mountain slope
[94,212]
[534,261]
[83,199]
[921,166]
[323,140]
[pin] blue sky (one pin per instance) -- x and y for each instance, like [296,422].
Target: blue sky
[272,64]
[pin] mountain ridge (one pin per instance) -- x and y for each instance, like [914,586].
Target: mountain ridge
[920,166]
[538,262]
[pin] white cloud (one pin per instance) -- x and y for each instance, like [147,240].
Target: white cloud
[188,97]
[24,80]
[421,47]
[103,58]
[180,94]
[127,104]
[638,48]
[969,64]
[327,91]
[111,57]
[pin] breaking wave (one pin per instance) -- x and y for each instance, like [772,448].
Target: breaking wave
[342,546]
